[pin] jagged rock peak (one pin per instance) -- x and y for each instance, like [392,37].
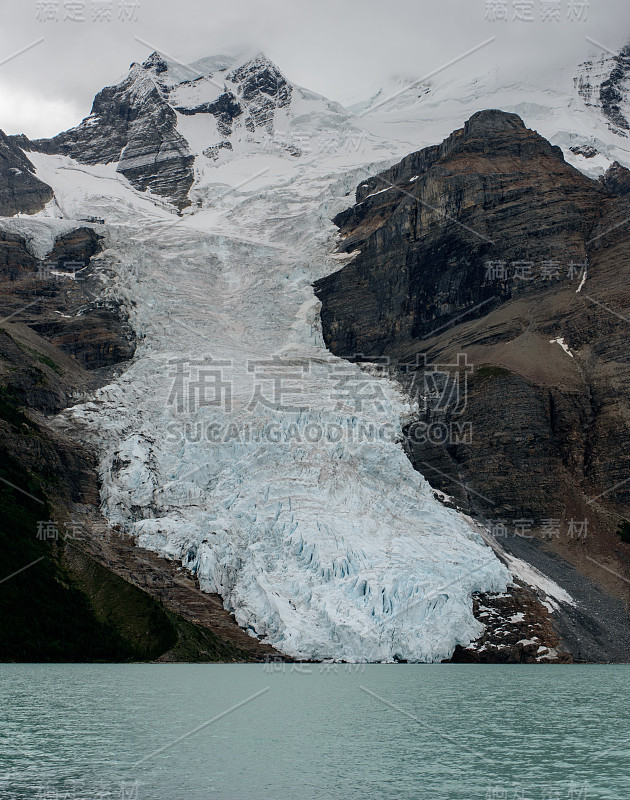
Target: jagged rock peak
[617,179]
[257,70]
[256,63]
[259,76]
[155,62]
[142,124]
[131,123]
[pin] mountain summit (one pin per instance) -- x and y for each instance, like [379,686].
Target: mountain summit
[163,115]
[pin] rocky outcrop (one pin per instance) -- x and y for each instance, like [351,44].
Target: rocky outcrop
[518,630]
[21,191]
[76,247]
[15,259]
[617,179]
[492,275]
[584,150]
[60,298]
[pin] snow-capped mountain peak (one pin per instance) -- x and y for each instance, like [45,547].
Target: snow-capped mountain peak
[165,124]
[168,125]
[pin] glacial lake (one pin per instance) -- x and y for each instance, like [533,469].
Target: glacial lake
[316,732]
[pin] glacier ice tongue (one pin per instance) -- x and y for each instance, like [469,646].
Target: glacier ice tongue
[328,546]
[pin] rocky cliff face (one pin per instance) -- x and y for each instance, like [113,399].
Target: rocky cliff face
[60,298]
[493,191]
[132,124]
[20,190]
[491,276]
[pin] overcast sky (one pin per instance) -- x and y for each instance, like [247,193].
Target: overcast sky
[343,49]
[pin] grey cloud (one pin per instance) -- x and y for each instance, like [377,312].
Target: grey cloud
[343,49]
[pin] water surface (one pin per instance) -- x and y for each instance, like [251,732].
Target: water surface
[80,732]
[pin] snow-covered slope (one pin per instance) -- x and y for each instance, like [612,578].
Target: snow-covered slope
[311,524]
[582,106]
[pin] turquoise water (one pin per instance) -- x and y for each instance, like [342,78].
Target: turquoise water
[77,732]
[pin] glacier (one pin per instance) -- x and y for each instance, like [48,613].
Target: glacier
[321,539]
[324,542]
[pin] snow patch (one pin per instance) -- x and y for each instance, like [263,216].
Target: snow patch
[563,345]
[582,282]
[554,594]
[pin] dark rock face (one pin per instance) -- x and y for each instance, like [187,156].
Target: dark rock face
[20,190]
[617,179]
[511,444]
[491,191]
[612,90]
[78,246]
[70,249]
[541,434]
[61,309]
[14,257]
